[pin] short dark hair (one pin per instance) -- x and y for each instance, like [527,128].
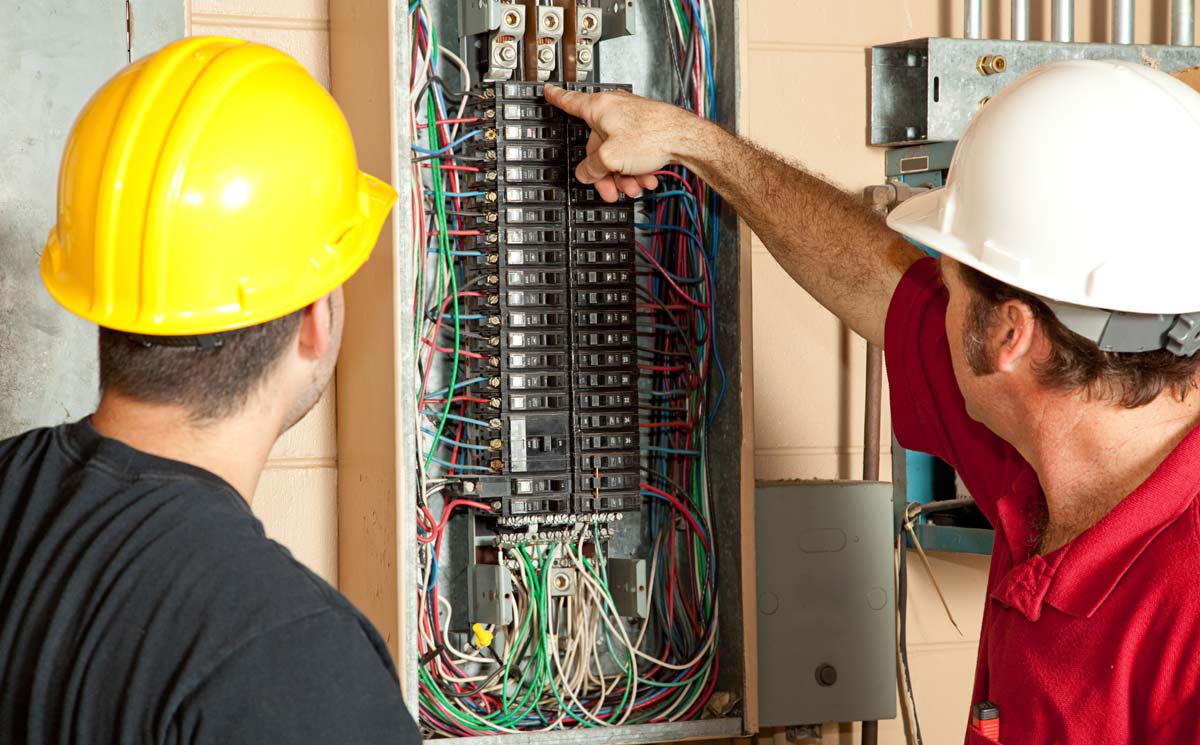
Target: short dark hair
[1132,379]
[210,382]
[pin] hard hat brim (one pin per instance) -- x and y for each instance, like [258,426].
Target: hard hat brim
[354,248]
[920,219]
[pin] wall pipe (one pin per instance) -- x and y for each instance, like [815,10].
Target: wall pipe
[1020,20]
[973,19]
[1122,21]
[1183,22]
[1063,15]
[871,413]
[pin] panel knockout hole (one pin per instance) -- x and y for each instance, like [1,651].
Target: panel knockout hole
[768,603]
[826,675]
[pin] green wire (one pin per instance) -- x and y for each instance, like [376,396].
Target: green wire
[683,21]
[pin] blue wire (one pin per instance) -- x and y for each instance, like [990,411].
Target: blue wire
[468,420]
[459,253]
[462,466]
[449,147]
[671,451]
[699,524]
[463,384]
[712,88]
[445,439]
[673,228]
[459,194]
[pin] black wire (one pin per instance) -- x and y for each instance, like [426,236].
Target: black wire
[447,92]
[675,51]
[449,156]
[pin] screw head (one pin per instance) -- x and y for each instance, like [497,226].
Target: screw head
[546,55]
[550,21]
[585,56]
[826,675]
[506,53]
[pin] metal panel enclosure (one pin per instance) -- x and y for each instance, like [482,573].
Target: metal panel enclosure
[51,61]
[826,602]
[926,90]
[631,59]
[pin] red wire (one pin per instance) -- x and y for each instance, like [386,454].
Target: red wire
[451,168]
[472,399]
[449,121]
[683,510]
[436,330]
[667,277]
[450,350]
[436,534]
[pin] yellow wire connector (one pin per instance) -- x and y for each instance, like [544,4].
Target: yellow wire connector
[483,637]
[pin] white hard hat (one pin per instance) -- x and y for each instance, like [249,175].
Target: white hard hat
[1077,183]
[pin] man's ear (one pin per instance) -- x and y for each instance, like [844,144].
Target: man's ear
[1013,336]
[315,329]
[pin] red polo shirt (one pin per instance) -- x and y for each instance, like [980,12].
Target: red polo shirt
[1099,641]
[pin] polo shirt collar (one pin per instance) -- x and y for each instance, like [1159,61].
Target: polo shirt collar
[1080,576]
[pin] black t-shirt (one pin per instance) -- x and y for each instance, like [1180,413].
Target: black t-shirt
[140,602]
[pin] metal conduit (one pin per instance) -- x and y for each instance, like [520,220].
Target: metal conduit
[973,19]
[1020,20]
[1183,22]
[1063,16]
[1122,21]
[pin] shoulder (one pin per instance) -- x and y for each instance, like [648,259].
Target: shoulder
[31,445]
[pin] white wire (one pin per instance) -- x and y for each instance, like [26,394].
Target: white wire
[466,81]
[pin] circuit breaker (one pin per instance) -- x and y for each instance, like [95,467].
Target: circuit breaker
[554,315]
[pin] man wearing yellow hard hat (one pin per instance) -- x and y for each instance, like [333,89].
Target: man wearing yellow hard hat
[210,207]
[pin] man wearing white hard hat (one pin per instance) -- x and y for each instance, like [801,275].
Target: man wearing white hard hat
[1049,356]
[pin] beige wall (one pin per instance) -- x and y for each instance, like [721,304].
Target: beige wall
[297,497]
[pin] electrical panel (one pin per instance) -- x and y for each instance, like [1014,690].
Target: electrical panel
[566,382]
[554,322]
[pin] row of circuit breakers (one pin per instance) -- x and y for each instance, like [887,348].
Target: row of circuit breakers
[555,285]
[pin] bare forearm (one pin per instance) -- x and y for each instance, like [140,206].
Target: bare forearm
[840,251]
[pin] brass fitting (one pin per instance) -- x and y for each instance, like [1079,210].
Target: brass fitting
[991,64]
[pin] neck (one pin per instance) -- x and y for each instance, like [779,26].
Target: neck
[1089,455]
[235,448]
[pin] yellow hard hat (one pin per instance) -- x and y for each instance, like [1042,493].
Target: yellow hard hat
[210,186]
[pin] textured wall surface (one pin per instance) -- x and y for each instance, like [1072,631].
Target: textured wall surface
[297,496]
[50,63]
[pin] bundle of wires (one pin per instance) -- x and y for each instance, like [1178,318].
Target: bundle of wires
[571,660]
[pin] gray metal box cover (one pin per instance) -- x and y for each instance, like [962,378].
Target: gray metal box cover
[926,90]
[825,598]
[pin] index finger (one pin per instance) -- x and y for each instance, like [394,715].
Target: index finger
[573,102]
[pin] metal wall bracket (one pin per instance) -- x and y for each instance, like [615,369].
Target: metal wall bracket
[926,90]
